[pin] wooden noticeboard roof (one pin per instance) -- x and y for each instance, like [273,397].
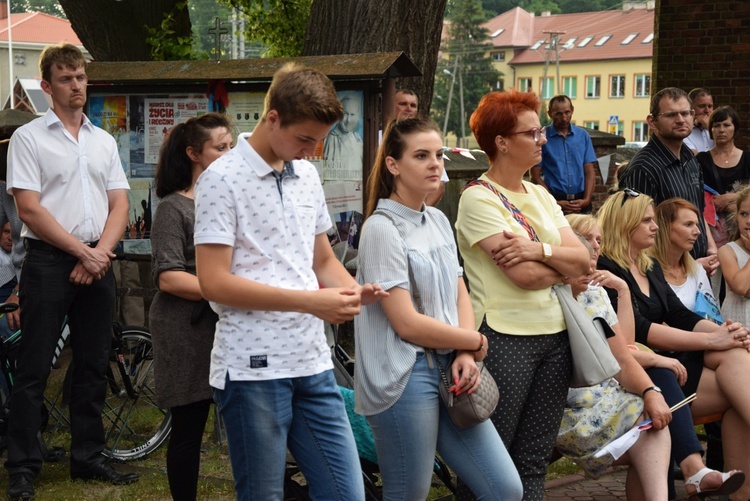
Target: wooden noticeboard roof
[346,67]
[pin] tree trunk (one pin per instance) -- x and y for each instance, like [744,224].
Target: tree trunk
[360,26]
[115,31]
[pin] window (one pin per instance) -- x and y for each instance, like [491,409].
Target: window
[496,33]
[570,43]
[591,124]
[615,128]
[648,38]
[570,85]
[603,40]
[643,85]
[629,39]
[524,84]
[538,44]
[617,86]
[640,131]
[585,41]
[547,85]
[498,56]
[593,87]
[19,58]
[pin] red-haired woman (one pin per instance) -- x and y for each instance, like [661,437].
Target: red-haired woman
[516,244]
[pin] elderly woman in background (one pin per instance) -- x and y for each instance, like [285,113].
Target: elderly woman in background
[596,415]
[516,244]
[716,357]
[725,167]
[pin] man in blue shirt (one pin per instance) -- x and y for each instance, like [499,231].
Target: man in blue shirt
[567,168]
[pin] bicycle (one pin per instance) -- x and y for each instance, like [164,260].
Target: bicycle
[134,424]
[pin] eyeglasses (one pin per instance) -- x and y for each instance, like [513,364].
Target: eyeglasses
[671,115]
[629,193]
[535,133]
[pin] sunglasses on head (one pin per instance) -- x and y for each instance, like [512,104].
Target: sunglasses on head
[629,193]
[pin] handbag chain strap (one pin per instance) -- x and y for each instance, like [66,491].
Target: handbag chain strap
[514,211]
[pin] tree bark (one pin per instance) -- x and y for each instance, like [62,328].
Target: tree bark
[115,31]
[361,26]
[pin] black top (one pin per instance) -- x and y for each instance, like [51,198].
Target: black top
[723,179]
[661,306]
[655,171]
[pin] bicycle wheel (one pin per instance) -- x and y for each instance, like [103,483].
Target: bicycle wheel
[134,424]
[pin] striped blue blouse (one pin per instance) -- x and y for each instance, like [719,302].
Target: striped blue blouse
[424,240]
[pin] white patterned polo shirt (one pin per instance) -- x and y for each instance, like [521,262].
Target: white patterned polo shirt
[271,220]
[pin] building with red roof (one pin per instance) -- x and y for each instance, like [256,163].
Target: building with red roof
[601,60]
[27,34]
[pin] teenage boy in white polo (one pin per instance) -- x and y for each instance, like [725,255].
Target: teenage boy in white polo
[262,251]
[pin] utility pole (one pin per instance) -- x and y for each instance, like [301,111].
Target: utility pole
[450,97]
[463,113]
[554,41]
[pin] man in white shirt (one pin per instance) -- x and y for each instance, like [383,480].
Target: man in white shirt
[703,105]
[71,193]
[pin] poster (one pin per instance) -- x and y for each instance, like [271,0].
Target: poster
[138,165]
[162,114]
[343,147]
[344,201]
[245,110]
[111,114]
[138,230]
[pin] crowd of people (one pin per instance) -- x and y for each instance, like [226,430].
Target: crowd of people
[246,279]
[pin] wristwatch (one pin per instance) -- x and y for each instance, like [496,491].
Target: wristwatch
[16,292]
[655,388]
[547,252]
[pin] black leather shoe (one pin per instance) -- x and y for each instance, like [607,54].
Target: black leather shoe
[105,473]
[21,486]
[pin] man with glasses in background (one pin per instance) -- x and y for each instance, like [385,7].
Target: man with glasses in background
[666,167]
[567,167]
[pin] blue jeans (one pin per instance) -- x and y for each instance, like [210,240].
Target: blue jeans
[305,415]
[408,433]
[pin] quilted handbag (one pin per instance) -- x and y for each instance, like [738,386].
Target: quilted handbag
[467,410]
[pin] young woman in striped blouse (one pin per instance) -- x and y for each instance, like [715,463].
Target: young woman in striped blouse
[407,246]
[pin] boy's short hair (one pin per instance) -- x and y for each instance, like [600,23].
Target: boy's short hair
[298,93]
[61,55]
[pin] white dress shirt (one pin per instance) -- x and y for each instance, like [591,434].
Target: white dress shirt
[72,177]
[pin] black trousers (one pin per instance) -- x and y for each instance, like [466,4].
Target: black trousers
[184,450]
[47,296]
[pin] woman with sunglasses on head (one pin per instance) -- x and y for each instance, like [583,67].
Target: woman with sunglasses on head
[182,323]
[666,373]
[716,357]
[400,342]
[516,244]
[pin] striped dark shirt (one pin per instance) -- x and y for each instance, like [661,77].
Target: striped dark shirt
[656,172]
